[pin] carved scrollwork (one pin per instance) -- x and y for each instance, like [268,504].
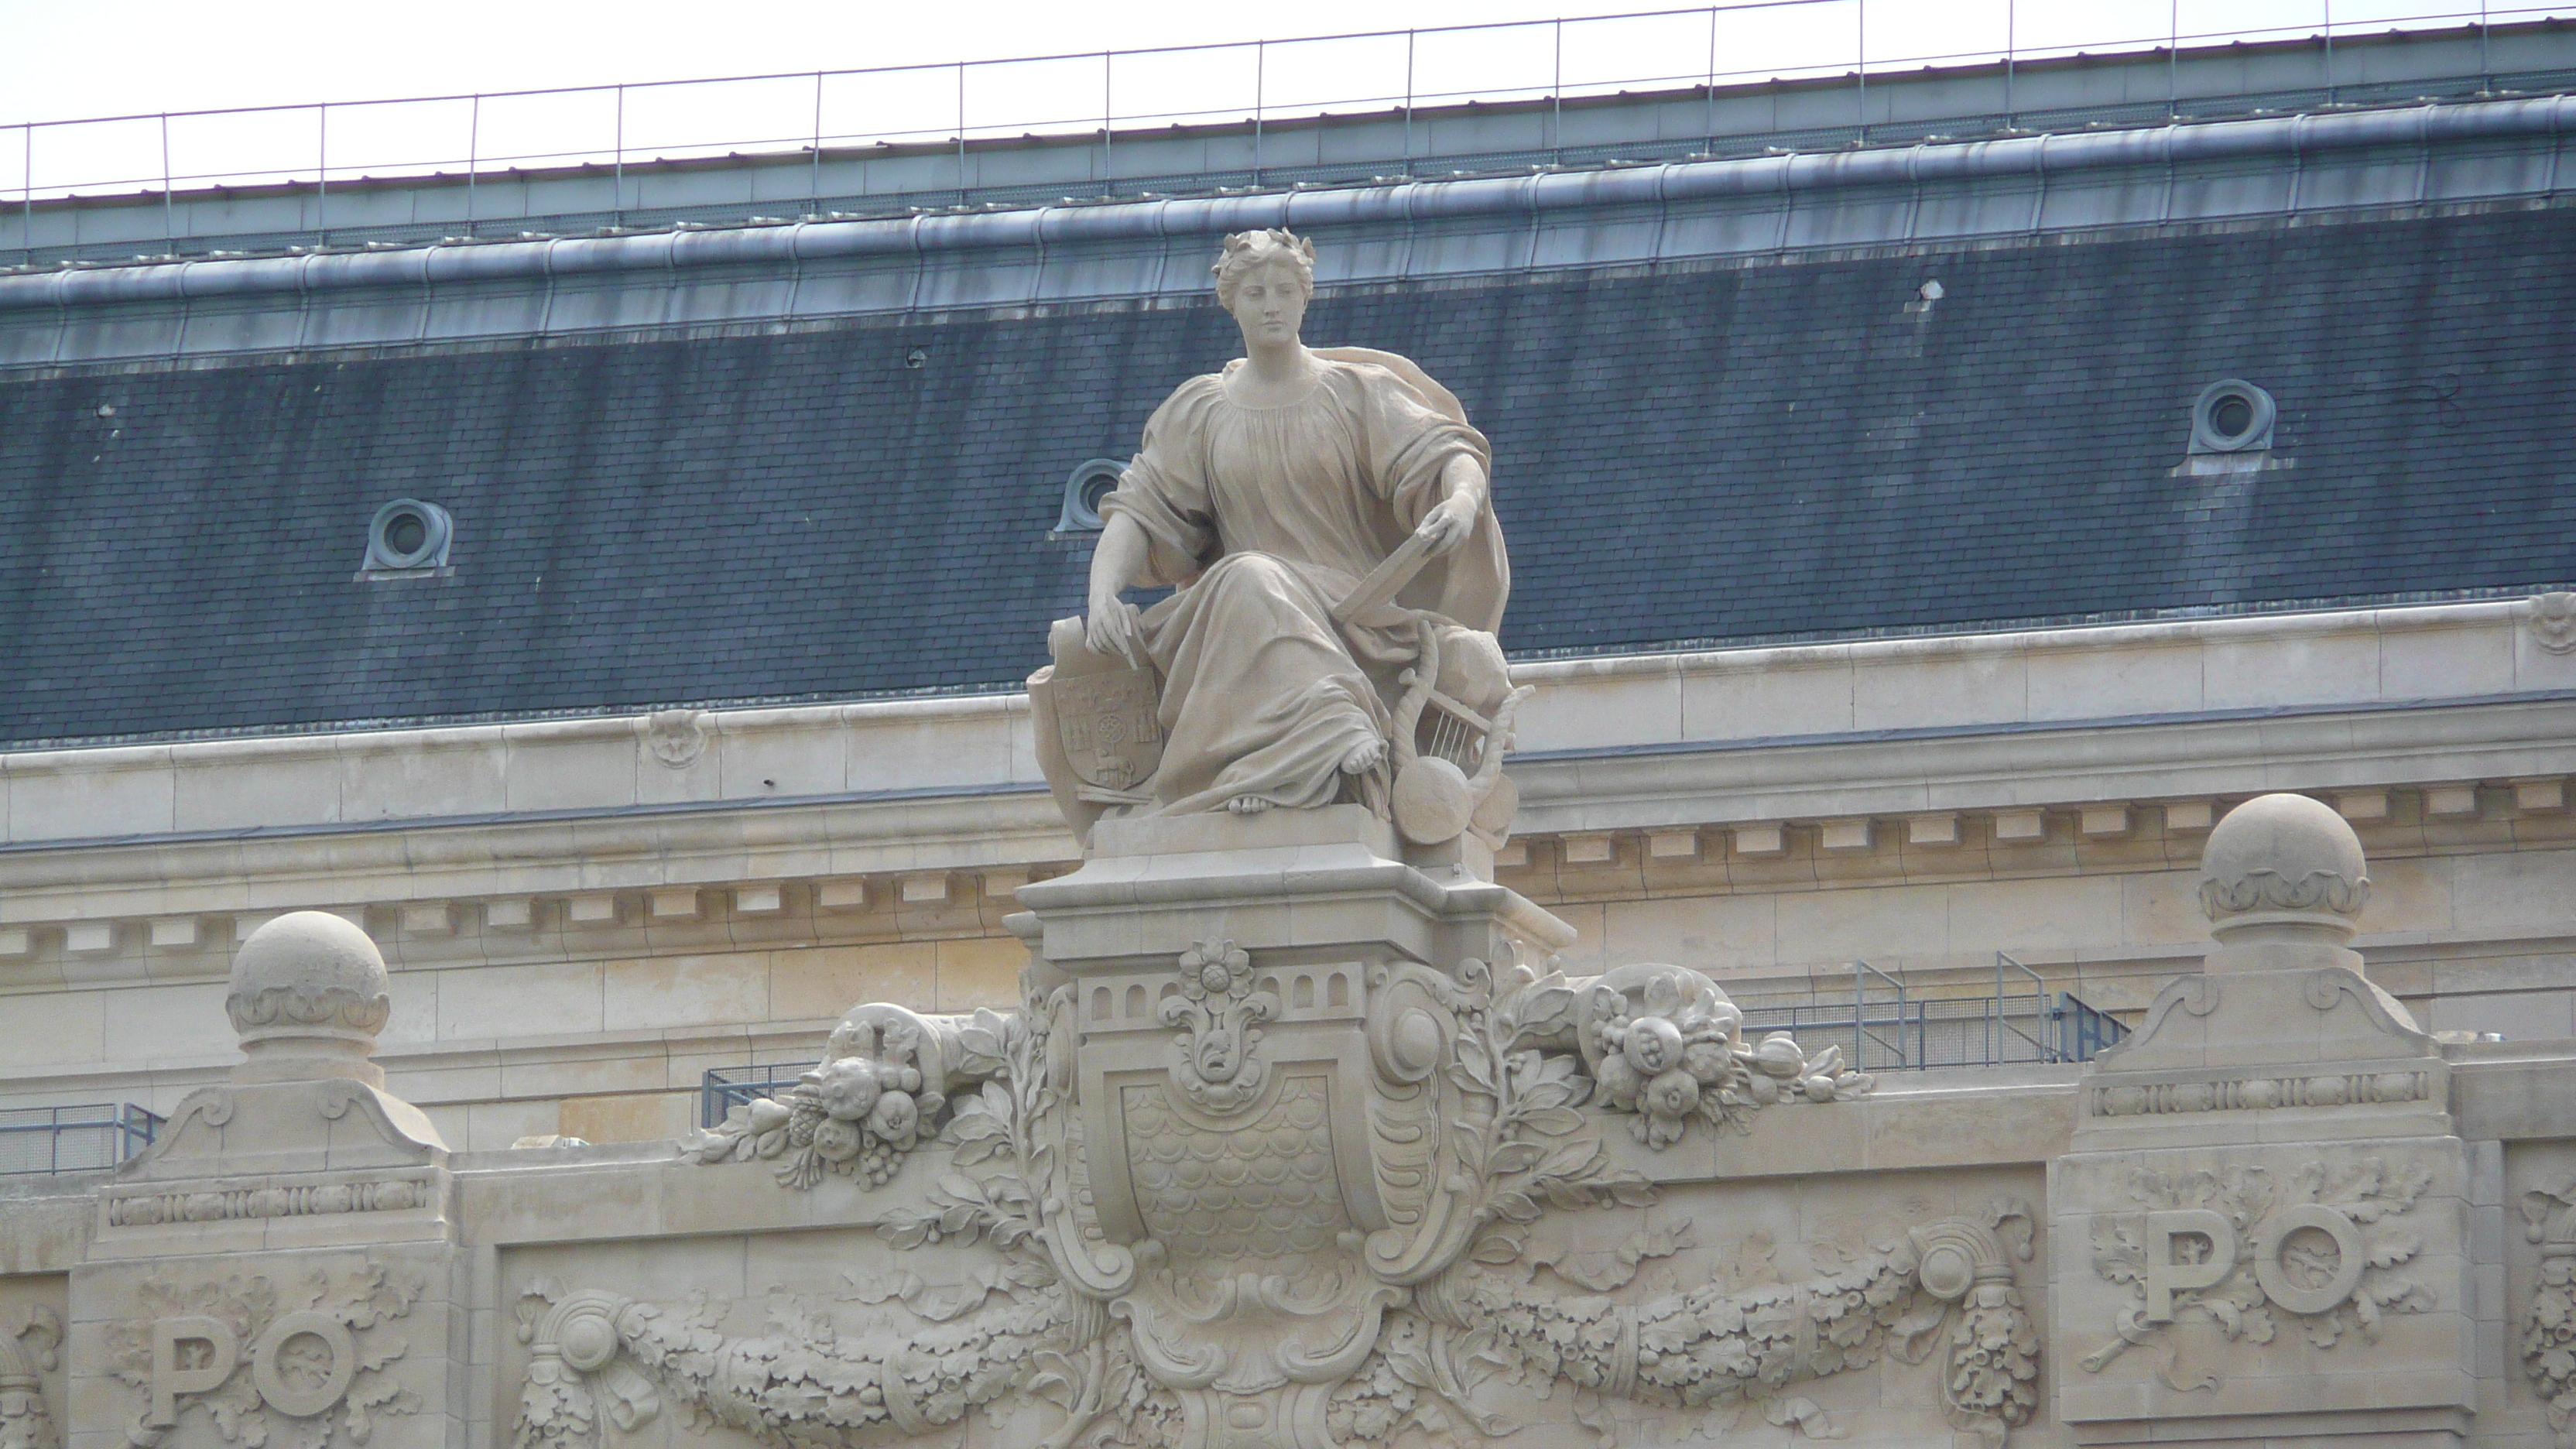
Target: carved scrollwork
[2240,1251]
[2549,1329]
[1296,1268]
[331,1006]
[2269,890]
[27,1352]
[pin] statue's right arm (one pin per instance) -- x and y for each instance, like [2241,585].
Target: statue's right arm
[1110,625]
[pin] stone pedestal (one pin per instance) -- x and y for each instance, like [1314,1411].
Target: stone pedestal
[2263,1225]
[282,1265]
[1262,1185]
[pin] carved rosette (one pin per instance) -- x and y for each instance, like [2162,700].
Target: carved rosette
[1219,1015]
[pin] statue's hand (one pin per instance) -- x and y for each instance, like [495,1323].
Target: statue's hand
[1448,525]
[1111,628]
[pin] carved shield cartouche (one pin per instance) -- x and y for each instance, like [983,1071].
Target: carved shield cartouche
[1107,723]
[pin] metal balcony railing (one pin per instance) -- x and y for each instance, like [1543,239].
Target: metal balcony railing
[73,1139]
[725,1088]
[1096,98]
[1884,1028]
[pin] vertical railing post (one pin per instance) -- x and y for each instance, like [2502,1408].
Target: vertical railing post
[169,216]
[1556,102]
[617,178]
[473,158]
[1108,122]
[27,189]
[1712,79]
[2012,52]
[2330,75]
[2173,60]
[1408,103]
[961,133]
[1260,94]
[814,181]
[1860,67]
[322,177]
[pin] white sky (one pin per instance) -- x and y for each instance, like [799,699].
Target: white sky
[62,59]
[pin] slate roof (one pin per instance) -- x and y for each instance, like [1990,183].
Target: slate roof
[1712,453]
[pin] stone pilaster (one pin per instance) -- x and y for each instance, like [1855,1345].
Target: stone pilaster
[283,1262]
[2263,1225]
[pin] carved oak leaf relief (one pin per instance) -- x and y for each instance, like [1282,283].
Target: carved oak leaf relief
[2253,1257]
[298,1363]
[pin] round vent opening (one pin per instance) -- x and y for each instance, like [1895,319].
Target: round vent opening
[408,534]
[1084,491]
[2232,416]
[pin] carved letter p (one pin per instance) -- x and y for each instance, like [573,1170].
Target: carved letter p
[169,1380]
[2165,1277]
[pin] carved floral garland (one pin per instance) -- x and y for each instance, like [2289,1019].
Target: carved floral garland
[1060,1314]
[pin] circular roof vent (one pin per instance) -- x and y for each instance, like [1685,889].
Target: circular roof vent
[408,535]
[2232,416]
[1090,483]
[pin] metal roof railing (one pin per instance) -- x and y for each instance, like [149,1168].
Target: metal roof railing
[1099,97]
[1884,1028]
[73,1139]
[724,1088]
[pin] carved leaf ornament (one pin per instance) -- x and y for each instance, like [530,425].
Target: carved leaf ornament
[2238,1250]
[29,1350]
[298,1364]
[1489,1089]
[2549,1330]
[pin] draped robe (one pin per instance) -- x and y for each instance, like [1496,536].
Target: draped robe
[1266,517]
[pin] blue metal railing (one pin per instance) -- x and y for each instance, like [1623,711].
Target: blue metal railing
[1884,1028]
[73,1139]
[725,1088]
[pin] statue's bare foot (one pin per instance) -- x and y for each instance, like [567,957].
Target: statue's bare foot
[1364,757]
[1247,804]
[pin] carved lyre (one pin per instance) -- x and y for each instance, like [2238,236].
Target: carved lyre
[1449,776]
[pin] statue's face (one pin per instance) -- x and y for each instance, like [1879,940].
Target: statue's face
[1270,303]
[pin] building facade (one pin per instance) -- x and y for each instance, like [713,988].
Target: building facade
[1924,548]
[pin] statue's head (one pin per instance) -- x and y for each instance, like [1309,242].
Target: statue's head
[1264,278]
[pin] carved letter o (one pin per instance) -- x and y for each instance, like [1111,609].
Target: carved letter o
[286,1398]
[2276,1231]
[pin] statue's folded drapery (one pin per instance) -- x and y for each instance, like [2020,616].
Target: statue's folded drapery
[1268,517]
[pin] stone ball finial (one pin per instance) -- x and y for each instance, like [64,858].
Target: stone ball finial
[2283,860]
[308,997]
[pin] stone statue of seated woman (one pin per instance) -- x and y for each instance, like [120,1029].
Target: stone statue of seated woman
[1326,518]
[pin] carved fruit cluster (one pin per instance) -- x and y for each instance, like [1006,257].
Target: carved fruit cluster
[1679,1054]
[2549,1331]
[857,1116]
